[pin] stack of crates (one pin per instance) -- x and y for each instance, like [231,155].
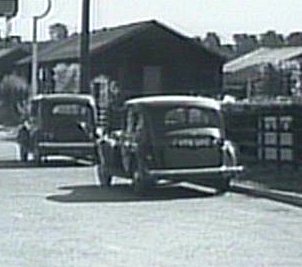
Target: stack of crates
[266,132]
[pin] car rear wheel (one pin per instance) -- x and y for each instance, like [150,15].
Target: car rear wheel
[223,185]
[23,153]
[104,175]
[142,184]
[37,156]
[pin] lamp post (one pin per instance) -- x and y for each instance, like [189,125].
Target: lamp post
[34,69]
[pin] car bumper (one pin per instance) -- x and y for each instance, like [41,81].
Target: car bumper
[67,148]
[197,173]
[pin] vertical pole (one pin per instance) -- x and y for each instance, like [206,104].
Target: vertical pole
[84,50]
[34,70]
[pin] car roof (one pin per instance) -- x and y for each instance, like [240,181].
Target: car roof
[65,97]
[175,100]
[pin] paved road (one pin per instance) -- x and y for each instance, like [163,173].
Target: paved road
[56,216]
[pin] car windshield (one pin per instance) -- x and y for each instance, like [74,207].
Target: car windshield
[181,117]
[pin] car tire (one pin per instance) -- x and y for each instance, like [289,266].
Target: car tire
[104,175]
[37,156]
[23,153]
[141,183]
[223,185]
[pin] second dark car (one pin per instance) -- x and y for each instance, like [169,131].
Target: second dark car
[59,124]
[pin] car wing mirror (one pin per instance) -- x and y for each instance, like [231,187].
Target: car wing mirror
[99,132]
[84,127]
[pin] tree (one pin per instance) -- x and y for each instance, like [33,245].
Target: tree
[294,39]
[58,31]
[13,96]
[212,40]
[272,39]
[245,43]
[66,78]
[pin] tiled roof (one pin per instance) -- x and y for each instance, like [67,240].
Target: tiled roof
[69,49]
[6,51]
[11,54]
[261,56]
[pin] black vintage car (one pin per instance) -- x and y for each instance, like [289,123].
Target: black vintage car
[59,124]
[178,138]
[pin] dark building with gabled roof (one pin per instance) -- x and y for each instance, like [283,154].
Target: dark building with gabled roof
[143,58]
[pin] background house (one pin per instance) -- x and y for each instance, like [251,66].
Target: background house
[265,72]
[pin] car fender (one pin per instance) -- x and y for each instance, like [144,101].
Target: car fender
[126,157]
[104,152]
[110,148]
[230,156]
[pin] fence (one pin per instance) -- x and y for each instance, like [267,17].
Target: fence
[266,133]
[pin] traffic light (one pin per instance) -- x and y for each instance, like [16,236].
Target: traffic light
[8,8]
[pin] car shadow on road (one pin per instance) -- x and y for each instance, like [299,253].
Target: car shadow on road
[124,193]
[15,164]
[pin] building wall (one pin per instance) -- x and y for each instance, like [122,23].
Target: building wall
[184,69]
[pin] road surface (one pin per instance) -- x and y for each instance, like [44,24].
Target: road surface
[55,216]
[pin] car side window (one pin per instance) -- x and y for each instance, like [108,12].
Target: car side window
[134,121]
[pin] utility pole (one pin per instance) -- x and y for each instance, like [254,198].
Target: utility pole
[84,50]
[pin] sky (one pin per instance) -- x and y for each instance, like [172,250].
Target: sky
[189,17]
